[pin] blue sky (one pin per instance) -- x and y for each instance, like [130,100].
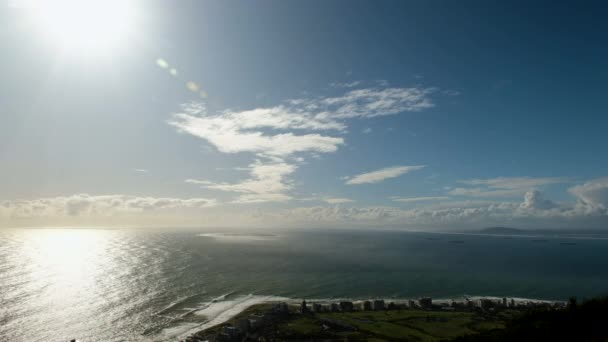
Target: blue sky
[227,113]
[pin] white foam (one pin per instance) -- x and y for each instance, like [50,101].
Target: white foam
[214,313]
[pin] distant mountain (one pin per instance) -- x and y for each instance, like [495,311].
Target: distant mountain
[501,230]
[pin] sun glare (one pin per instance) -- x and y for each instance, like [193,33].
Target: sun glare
[85,27]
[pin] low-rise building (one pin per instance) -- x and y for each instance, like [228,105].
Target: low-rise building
[485,304]
[317,307]
[346,306]
[378,304]
[280,308]
[367,305]
[256,321]
[426,302]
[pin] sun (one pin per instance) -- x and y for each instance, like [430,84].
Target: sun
[85,27]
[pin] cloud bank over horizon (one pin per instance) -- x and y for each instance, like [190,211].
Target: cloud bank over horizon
[590,210]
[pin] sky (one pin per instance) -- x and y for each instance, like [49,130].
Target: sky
[369,114]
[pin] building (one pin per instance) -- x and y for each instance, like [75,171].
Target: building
[316,307]
[426,302]
[346,306]
[411,304]
[335,307]
[378,304]
[512,302]
[367,305]
[230,331]
[280,308]
[303,307]
[485,303]
[504,302]
[256,321]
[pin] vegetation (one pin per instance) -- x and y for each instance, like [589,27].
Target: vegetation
[577,322]
[584,322]
[390,325]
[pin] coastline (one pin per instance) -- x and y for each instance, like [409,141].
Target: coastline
[219,312]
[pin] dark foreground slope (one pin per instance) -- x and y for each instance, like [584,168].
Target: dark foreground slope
[584,322]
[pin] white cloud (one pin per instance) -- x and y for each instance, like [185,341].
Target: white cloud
[141,170]
[345,84]
[104,205]
[515,182]
[503,186]
[337,200]
[229,139]
[534,200]
[419,199]
[367,130]
[286,131]
[382,174]
[592,194]
[484,192]
[532,212]
[267,183]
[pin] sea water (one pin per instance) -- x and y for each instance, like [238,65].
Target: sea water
[137,285]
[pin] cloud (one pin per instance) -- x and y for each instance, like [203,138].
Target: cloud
[533,211]
[382,174]
[337,200]
[503,186]
[103,205]
[227,138]
[280,135]
[419,199]
[267,183]
[367,130]
[592,194]
[484,192]
[515,182]
[534,200]
[345,84]
[141,170]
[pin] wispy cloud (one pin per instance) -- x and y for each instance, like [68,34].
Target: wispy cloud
[279,136]
[267,183]
[419,199]
[515,182]
[141,170]
[337,200]
[345,84]
[382,174]
[503,186]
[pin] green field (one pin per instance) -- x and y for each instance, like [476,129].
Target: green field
[404,325]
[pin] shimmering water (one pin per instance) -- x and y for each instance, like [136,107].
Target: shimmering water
[127,285]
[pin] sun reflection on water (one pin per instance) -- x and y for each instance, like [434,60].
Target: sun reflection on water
[68,266]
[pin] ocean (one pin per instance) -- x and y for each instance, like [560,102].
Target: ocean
[159,285]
